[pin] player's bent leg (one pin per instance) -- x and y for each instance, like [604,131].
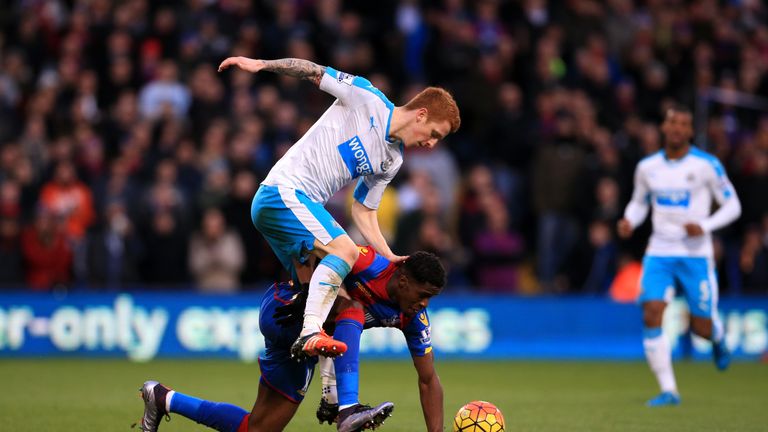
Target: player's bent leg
[342,246]
[271,412]
[705,328]
[160,400]
[349,328]
[340,255]
[701,291]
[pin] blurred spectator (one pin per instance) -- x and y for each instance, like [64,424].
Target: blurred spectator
[215,187]
[166,246]
[260,261]
[560,100]
[410,193]
[47,254]
[410,223]
[11,260]
[113,250]
[754,186]
[207,94]
[557,169]
[165,95]
[116,186]
[216,255]
[442,169]
[754,258]
[478,185]
[69,199]
[164,194]
[625,287]
[497,249]
[604,251]
[11,266]
[509,147]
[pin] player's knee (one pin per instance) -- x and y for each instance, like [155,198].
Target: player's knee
[344,248]
[354,253]
[652,314]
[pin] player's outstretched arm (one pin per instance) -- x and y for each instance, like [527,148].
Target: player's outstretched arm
[368,224]
[294,67]
[430,392]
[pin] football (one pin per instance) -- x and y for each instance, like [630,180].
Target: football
[478,416]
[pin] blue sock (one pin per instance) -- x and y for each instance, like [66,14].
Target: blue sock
[651,332]
[223,417]
[347,366]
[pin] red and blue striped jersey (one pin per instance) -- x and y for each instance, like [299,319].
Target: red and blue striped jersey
[367,283]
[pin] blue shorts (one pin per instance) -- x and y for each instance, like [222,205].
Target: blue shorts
[694,275]
[291,222]
[279,371]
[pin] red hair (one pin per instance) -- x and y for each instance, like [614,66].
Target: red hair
[439,104]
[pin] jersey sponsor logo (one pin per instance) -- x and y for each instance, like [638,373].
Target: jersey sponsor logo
[673,197]
[364,291]
[355,157]
[345,78]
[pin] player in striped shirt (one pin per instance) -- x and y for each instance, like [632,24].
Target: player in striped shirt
[377,293]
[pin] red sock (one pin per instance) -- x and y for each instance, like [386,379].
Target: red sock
[243,424]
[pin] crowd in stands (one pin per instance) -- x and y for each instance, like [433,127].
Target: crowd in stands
[127,161]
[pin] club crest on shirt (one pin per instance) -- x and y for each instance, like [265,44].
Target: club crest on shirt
[385,165]
[345,78]
[423,318]
[690,178]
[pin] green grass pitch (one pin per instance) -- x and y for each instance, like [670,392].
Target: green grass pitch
[101,395]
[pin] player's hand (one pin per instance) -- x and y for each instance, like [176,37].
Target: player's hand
[292,313]
[396,258]
[244,63]
[693,230]
[624,228]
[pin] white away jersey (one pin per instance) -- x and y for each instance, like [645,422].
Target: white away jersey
[348,142]
[680,192]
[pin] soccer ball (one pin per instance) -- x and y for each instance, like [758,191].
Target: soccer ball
[478,416]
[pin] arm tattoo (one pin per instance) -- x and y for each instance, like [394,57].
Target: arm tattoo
[298,68]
